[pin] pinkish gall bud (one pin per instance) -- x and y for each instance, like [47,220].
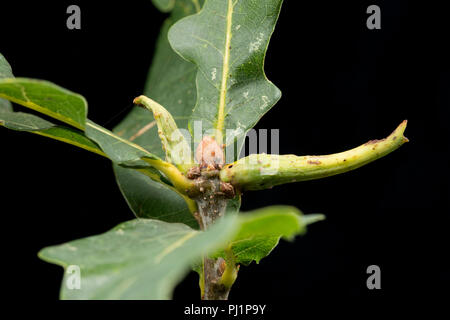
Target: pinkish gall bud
[209,153]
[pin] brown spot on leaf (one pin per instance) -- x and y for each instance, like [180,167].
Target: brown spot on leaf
[372,142]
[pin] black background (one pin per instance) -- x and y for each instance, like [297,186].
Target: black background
[342,84]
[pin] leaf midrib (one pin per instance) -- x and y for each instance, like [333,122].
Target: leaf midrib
[98,128]
[225,72]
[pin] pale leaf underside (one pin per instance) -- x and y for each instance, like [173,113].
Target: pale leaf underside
[139,259]
[145,259]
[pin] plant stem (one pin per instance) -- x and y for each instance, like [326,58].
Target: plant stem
[214,289]
[179,181]
[212,205]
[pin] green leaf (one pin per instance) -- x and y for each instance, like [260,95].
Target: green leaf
[233,205]
[71,136]
[5,68]
[5,105]
[145,259]
[171,82]
[227,41]
[34,124]
[47,98]
[260,231]
[5,72]
[174,143]
[118,149]
[169,5]
[151,200]
[66,106]
[139,259]
[164,5]
[28,122]
[128,154]
[23,121]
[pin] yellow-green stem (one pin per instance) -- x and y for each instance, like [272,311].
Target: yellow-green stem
[230,274]
[179,181]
